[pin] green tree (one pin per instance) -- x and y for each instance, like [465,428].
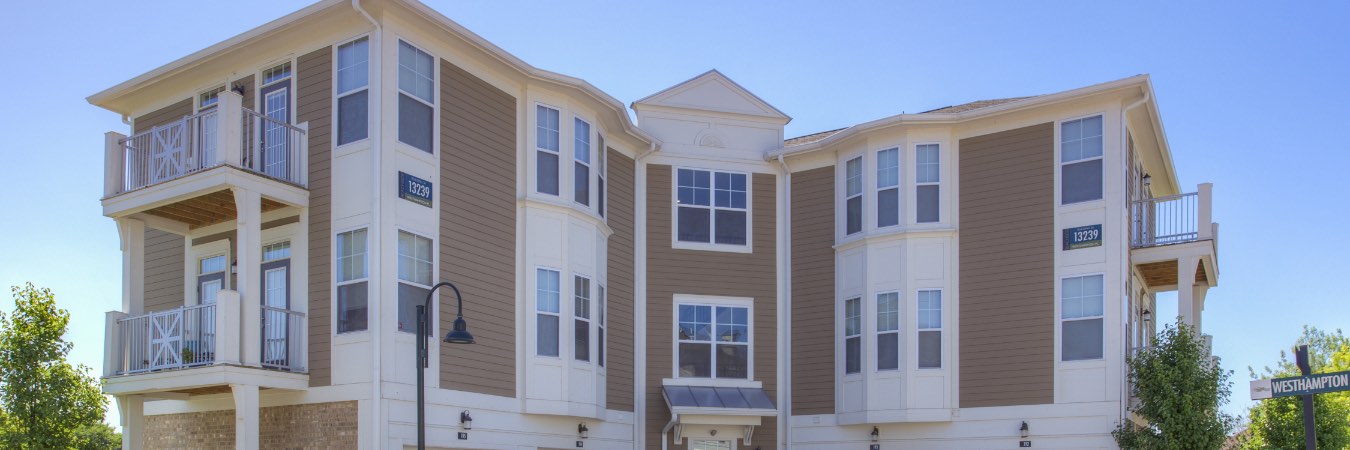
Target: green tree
[1277,423]
[44,399]
[1181,389]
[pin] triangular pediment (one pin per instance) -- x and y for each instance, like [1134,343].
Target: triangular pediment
[713,91]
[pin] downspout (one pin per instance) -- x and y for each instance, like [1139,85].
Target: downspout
[664,431]
[785,309]
[1129,261]
[375,88]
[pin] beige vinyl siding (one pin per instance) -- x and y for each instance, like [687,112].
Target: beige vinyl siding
[619,327]
[162,116]
[813,291]
[248,84]
[164,260]
[314,92]
[478,231]
[671,271]
[1007,247]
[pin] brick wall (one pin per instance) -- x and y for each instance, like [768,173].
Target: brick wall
[313,426]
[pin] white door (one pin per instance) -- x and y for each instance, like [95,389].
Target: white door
[202,327]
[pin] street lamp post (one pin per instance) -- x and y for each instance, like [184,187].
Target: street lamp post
[458,335]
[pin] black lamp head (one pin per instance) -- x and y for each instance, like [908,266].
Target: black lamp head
[460,333]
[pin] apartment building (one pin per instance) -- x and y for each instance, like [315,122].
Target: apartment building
[968,277]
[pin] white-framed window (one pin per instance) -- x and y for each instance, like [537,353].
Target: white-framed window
[414,279]
[1081,312]
[547,150]
[210,278]
[888,187]
[852,335]
[711,206]
[276,73]
[602,160]
[1080,157]
[416,97]
[853,203]
[930,328]
[714,341]
[209,98]
[581,170]
[276,251]
[601,309]
[927,176]
[353,102]
[352,270]
[581,316]
[888,331]
[548,309]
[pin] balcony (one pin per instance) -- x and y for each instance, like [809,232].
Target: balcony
[1174,247]
[200,349]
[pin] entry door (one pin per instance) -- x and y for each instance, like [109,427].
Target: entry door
[275,315]
[276,105]
[202,327]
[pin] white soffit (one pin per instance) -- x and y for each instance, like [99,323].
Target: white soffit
[713,91]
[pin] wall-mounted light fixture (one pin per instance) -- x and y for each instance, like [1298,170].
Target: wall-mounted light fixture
[876,434]
[1026,430]
[582,431]
[1148,180]
[238,89]
[465,420]
[1147,315]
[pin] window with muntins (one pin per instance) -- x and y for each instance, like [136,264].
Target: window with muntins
[1080,157]
[600,311]
[888,331]
[416,96]
[414,275]
[714,341]
[581,171]
[853,182]
[711,207]
[351,281]
[1081,313]
[930,329]
[353,74]
[852,335]
[581,314]
[548,311]
[547,150]
[888,187]
[927,175]
[603,161]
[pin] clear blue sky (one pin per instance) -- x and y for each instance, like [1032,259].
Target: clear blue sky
[1252,97]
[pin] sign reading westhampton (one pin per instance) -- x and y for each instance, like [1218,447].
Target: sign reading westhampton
[1291,386]
[1082,237]
[414,189]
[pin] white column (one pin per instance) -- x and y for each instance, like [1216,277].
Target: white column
[229,129]
[114,163]
[228,328]
[132,410]
[1205,211]
[245,416]
[248,249]
[132,233]
[1198,305]
[1186,291]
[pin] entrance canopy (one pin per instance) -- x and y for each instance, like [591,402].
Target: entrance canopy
[700,412]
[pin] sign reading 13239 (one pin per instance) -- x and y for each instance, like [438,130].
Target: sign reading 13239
[1082,237]
[414,189]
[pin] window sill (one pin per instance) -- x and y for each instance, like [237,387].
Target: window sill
[700,246]
[712,382]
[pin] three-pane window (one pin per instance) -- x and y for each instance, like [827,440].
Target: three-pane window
[548,312]
[581,172]
[714,341]
[888,331]
[888,187]
[853,204]
[853,335]
[353,74]
[930,329]
[711,206]
[1080,150]
[926,178]
[416,99]
[547,150]
[414,275]
[1081,312]
[351,281]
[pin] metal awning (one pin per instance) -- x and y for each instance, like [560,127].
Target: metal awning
[698,411]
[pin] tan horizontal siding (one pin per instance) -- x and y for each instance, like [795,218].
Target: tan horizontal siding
[314,100]
[162,116]
[478,231]
[621,215]
[165,256]
[1007,268]
[813,291]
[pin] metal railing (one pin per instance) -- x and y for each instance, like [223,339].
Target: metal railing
[169,151]
[173,339]
[1165,220]
[283,339]
[273,148]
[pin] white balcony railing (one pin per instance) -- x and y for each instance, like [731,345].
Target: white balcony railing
[283,337]
[173,339]
[228,134]
[1175,219]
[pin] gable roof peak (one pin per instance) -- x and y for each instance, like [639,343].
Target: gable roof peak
[713,91]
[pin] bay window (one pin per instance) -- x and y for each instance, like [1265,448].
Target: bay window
[414,275]
[926,178]
[351,281]
[581,171]
[353,74]
[888,331]
[548,312]
[1080,150]
[853,196]
[581,314]
[601,305]
[416,96]
[601,159]
[547,150]
[711,207]
[930,329]
[713,341]
[852,335]
[1081,312]
[888,187]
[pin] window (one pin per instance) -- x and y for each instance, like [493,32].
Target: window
[275,252]
[711,206]
[416,96]
[714,341]
[602,159]
[581,314]
[888,331]
[353,74]
[351,281]
[600,304]
[277,73]
[1080,157]
[581,150]
[549,313]
[547,150]
[926,177]
[888,187]
[853,196]
[209,98]
[852,335]
[414,275]
[930,329]
[1080,312]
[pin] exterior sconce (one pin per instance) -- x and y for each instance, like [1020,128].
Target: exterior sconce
[1147,315]
[465,420]
[238,89]
[1026,430]
[582,431]
[876,434]
[1148,180]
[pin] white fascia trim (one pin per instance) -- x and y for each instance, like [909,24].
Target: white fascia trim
[1141,81]
[716,73]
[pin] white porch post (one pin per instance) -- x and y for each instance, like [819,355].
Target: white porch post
[113,356]
[114,163]
[1186,289]
[249,281]
[1205,211]
[132,233]
[132,410]
[228,327]
[245,416]
[229,129]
